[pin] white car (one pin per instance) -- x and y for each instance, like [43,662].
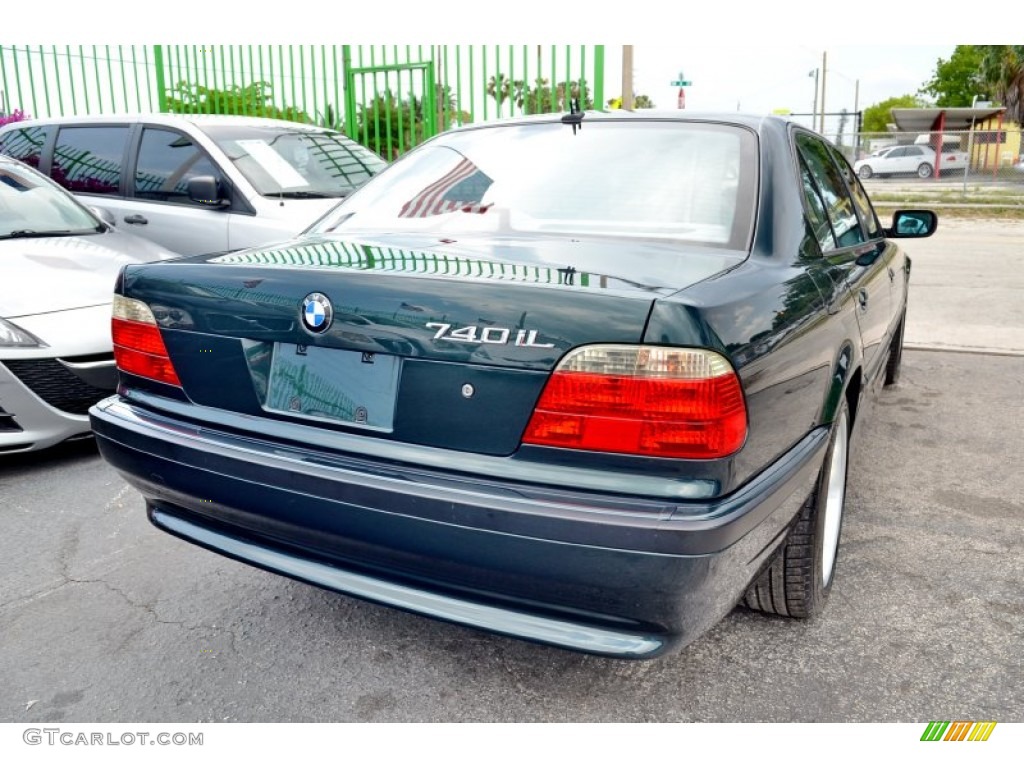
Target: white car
[196,184]
[909,159]
[58,266]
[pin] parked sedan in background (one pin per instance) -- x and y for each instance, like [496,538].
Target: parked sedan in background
[915,159]
[587,380]
[58,263]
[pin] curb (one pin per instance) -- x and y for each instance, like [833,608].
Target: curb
[963,350]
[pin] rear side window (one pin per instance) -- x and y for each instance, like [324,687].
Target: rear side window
[166,162]
[88,159]
[860,197]
[816,211]
[25,144]
[839,204]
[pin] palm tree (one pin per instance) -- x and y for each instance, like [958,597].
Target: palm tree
[1003,68]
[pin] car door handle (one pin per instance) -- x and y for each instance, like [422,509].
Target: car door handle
[862,298]
[136,218]
[892,275]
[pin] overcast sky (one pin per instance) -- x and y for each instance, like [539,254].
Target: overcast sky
[751,56]
[761,79]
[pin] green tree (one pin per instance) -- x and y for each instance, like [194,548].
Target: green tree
[878,116]
[541,97]
[253,100]
[1002,68]
[641,101]
[390,126]
[958,79]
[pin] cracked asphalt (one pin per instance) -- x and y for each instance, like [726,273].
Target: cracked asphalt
[105,619]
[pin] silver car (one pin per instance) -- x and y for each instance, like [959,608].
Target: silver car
[58,265]
[196,184]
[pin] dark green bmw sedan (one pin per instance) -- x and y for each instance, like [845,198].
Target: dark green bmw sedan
[586,380]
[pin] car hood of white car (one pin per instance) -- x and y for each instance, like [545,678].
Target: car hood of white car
[55,274]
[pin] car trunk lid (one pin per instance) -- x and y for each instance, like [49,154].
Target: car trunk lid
[447,345]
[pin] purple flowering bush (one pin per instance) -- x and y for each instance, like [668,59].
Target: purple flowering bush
[16,116]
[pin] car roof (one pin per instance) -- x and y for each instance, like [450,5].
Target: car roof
[753,121]
[756,122]
[166,118]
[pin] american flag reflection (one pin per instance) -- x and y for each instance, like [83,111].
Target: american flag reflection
[461,189]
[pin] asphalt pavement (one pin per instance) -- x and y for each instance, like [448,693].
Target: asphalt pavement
[967,287]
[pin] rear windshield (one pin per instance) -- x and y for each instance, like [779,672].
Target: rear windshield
[661,179]
[296,162]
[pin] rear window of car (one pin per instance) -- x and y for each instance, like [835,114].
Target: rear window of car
[25,144]
[687,181]
[89,159]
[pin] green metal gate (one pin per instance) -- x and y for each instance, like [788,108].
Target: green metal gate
[386,96]
[378,117]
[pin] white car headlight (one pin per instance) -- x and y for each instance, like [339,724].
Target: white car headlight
[13,336]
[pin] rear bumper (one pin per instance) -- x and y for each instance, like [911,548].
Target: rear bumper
[596,572]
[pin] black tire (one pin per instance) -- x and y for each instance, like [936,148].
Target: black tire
[864,172]
[892,368]
[799,576]
[924,171]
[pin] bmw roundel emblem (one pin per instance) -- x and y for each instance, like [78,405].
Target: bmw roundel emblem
[317,313]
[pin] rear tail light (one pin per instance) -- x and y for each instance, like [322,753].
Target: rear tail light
[651,401]
[138,347]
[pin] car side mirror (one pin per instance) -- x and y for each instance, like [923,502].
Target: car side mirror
[104,215]
[205,190]
[913,223]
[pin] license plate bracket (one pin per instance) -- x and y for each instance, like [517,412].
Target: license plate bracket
[340,386]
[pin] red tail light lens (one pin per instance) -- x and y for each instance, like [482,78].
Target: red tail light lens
[651,401]
[138,346]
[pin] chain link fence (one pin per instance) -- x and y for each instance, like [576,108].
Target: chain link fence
[978,157]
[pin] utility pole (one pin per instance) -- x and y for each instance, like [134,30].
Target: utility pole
[856,117]
[824,69]
[627,77]
[814,111]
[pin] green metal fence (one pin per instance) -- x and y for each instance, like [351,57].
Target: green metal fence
[388,97]
[49,80]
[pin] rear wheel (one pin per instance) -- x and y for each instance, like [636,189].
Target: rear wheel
[799,578]
[864,172]
[892,368]
[924,171]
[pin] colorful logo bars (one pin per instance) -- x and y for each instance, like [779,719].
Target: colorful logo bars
[960,730]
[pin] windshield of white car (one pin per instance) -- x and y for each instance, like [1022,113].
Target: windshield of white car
[32,206]
[296,163]
[670,180]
